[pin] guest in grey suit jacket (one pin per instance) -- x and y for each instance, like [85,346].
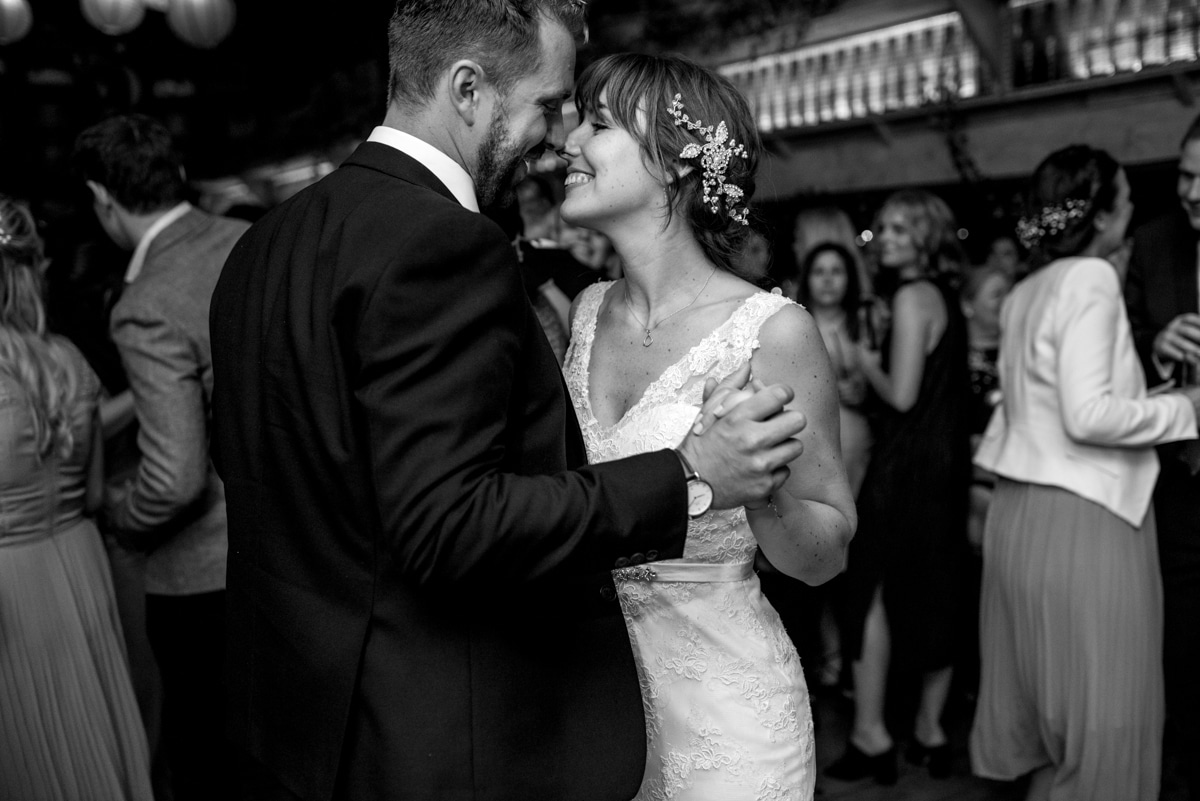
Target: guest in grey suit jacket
[173,508]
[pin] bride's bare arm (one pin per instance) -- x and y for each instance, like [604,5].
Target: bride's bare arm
[804,532]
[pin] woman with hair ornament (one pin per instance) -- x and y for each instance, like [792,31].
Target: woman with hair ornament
[1071,616]
[663,164]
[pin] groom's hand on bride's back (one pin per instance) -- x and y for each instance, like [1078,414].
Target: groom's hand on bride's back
[743,439]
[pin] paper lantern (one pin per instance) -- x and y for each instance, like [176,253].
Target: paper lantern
[16,19]
[201,23]
[113,17]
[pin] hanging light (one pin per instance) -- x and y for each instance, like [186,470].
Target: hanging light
[16,18]
[113,17]
[201,23]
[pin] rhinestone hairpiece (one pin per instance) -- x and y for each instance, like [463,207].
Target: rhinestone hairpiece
[714,156]
[5,237]
[1050,220]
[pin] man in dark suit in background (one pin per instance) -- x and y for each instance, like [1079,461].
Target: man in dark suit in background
[1161,294]
[419,590]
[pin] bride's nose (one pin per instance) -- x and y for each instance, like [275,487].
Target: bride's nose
[574,141]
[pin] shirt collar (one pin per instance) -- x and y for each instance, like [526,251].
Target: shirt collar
[143,246]
[446,169]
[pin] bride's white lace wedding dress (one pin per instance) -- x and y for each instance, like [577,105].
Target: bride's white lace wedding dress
[727,710]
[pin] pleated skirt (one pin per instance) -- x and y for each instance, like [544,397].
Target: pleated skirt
[69,723]
[1071,646]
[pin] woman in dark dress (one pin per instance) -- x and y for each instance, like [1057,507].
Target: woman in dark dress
[902,587]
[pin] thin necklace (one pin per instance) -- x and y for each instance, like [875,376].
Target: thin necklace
[648,341]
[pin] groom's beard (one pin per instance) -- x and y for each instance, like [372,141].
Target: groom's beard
[500,162]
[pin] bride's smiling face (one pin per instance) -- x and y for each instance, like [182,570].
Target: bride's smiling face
[607,177]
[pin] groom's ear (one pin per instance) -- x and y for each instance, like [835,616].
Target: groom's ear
[467,81]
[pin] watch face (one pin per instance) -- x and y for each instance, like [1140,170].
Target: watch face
[700,497]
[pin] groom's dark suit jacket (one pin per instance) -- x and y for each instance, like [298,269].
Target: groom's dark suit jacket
[419,598]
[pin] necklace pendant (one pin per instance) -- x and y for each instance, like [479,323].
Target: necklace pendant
[647,341]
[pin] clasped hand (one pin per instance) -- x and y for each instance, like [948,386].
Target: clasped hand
[1180,340]
[744,438]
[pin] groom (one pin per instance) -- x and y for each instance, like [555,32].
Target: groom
[420,604]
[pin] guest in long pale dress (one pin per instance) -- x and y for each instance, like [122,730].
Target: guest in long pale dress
[69,722]
[1071,617]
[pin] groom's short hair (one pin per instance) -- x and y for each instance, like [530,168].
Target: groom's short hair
[427,36]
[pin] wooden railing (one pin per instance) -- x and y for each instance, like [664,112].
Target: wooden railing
[933,60]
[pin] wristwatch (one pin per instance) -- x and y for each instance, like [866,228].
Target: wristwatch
[699,491]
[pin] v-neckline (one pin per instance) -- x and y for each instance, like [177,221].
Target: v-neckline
[586,366]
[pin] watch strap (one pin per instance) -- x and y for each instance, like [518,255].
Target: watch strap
[691,472]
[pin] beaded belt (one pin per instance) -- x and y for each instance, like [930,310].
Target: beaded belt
[687,571]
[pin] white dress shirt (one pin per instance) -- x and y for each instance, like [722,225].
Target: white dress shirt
[446,169]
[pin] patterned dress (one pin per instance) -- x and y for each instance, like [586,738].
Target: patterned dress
[727,709]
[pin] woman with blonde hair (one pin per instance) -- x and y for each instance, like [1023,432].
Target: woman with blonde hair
[70,727]
[901,592]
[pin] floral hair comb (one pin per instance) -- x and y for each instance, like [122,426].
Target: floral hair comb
[714,156]
[1050,220]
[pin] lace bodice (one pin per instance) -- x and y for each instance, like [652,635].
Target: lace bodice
[667,409]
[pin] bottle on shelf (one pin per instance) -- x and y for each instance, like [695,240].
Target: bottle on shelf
[810,75]
[1124,41]
[795,94]
[779,95]
[1100,62]
[1152,20]
[841,86]
[970,80]
[910,69]
[949,63]
[1181,30]
[875,94]
[1052,47]
[825,88]
[1022,54]
[1075,21]
[893,77]
[927,61]
[858,83]
[762,98]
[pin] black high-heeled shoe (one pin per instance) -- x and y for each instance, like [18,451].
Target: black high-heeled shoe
[938,759]
[854,765]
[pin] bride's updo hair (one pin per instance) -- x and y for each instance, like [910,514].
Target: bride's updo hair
[639,90]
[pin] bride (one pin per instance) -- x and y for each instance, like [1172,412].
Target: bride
[663,164]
